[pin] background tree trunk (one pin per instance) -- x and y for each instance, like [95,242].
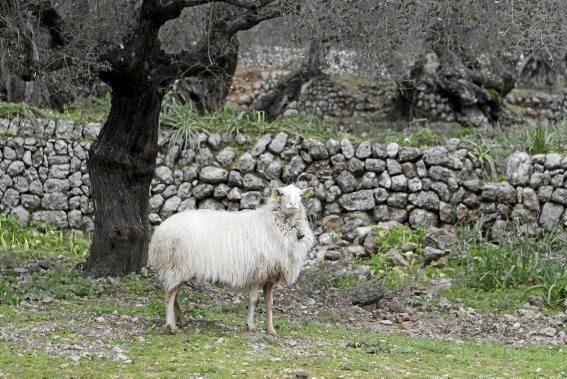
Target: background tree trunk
[207,94]
[121,167]
[537,73]
[474,97]
[275,102]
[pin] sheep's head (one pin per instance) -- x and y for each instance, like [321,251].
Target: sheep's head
[290,198]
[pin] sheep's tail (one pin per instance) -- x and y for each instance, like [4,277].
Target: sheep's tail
[160,257]
[152,254]
[157,252]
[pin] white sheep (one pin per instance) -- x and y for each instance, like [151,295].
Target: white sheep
[245,250]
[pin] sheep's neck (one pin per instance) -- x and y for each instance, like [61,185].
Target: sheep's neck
[284,222]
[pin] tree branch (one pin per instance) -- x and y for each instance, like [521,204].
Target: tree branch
[252,18]
[172,9]
[209,56]
[50,19]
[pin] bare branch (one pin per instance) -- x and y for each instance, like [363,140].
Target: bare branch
[172,9]
[252,18]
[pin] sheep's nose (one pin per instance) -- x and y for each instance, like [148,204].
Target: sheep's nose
[292,204]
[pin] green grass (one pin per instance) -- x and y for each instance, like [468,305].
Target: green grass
[41,239]
[58,283]
[215,344]
[545,139]
[486,274]
[416,133]
[517,261]
[400,277]
[93,109]
[235,120]
[506,300]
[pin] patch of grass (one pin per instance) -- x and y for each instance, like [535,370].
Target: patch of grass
[85,110]
[396,276]
[23,110]
[329,351]
[486,275]
[344,281]
[41,239]
[92,109]
[134,284]
[422,134]
[487,156]
[542,139]
[516,261]
[216,345]
[59,283]
[398,236]
[234,120]
[501,299]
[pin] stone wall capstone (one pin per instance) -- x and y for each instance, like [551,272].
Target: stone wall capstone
[43,178]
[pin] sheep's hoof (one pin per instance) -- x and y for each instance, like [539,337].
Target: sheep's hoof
[251,327]
[272,331]
[173,328]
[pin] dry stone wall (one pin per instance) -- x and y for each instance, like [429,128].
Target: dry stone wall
[43,178]
[324,97]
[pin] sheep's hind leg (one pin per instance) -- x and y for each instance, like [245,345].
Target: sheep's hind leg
[170,310]
[178,314]
[253,298]
[269,301]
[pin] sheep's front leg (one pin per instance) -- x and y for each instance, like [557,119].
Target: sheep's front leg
[268,300]
[253,298]
[170,311]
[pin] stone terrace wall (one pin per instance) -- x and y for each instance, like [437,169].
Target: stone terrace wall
[43,178]
[326,97]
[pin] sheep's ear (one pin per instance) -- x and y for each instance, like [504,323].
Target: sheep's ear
[307,192]
[276,193]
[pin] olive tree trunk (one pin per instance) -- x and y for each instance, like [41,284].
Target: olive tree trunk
[121,167]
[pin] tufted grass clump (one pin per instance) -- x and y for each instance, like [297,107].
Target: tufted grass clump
[545,139]
[23,110]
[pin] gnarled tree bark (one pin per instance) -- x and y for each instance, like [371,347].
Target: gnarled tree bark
[121,166]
